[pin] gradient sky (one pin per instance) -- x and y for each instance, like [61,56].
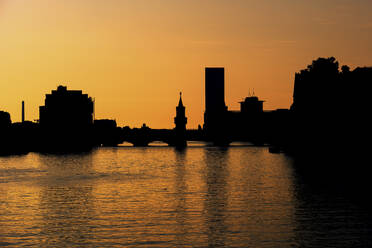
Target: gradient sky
[134,56]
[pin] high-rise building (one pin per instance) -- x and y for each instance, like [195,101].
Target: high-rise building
[214,89]
[215,107]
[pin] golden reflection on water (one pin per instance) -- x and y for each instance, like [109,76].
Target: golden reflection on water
[145,196]
[216,198]
[157,196]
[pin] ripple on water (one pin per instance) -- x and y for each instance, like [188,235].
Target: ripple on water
[160,197]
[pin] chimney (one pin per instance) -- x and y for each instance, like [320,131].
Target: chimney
[23,111]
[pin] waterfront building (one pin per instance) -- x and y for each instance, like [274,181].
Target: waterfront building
[5,120]
[66,109]
[66,121]
[221,126]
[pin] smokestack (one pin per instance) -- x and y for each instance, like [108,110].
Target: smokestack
[23,111]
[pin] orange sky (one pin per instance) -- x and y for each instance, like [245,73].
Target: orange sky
[134,56]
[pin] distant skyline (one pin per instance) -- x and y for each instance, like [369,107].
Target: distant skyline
[135,56]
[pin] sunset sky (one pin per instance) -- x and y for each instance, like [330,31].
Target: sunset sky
[134,56]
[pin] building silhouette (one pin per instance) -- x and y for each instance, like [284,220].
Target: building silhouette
[66,120]
[251,105]
[250,123]
[106,132]
[5,124]
[215,108]
[5,120]
[66,109]
[215,90]
[180,121]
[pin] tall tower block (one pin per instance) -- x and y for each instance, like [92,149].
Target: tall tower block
[214,89]
[215,108]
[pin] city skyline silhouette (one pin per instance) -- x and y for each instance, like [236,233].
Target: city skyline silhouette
[134,54]
[174,123]
[67,121]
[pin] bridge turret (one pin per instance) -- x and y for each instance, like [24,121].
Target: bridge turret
[180,120]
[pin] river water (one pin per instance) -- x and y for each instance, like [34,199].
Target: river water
[241,196]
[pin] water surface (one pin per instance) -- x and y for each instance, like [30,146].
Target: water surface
[160,197]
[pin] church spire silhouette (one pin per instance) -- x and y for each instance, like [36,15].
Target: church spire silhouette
[180,104]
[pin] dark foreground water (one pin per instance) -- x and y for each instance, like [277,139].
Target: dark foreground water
[159,197]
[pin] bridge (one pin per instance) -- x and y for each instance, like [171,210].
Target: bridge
[144,136]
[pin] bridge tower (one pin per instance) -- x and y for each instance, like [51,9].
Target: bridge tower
[180,120]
